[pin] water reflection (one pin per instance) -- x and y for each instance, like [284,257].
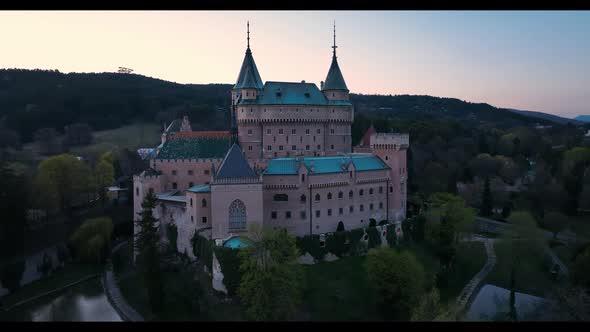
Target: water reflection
[83,302]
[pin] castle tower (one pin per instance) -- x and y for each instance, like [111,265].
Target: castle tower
[334,88]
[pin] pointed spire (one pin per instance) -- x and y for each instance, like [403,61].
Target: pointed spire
[334,80]
[249,78]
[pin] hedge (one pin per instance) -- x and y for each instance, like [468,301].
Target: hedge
[374,237]
[339,243]
[203,249]
[391,237]
[311,244]
[229,262]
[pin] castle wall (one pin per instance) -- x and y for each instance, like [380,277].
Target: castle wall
[221,198]
[199,207]
[200,168]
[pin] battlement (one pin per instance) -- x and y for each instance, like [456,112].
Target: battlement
[390,139]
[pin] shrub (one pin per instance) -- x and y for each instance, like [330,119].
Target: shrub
[354,237]
[391,237]
[336,244]
[123,229]
[91,241]
[203,249]
[383,222]
[229,261]
[340,227]
[372,222]
[374,237]
[311,244]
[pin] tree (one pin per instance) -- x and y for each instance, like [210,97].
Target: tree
[61,180]
[555,222]
[11,274]
[486,201]
[429,307]
[48,141]
[104,173]
[398,280]
[92,239]
[147,245]
[580,274]
[13,204]
[272,281]
[78,134]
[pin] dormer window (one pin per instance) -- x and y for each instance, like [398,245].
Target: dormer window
[306,94]
[278,94]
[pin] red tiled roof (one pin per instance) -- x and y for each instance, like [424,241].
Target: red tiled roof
[201,134]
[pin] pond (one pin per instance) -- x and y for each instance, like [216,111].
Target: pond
[83,302]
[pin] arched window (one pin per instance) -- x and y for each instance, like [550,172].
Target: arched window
[380,190]
[350,194]
[317,197]
[340,194]
[204,203]
[303,198]
[237,215]
[329,195]
[280,198]
[191,202]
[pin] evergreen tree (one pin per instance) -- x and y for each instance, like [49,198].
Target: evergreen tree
[147,245]
[486,202]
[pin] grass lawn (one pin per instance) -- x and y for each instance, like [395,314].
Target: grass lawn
[131,137]
[532,277]
[60,278]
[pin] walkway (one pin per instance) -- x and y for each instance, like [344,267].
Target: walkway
[111,289]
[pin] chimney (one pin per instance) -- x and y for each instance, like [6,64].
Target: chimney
[321,84]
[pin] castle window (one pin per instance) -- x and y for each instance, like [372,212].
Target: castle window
[293,131]
[340,211]
[362,208]
[303,198]
[371,206]
[390,189]
[380,205]
[370,191]
[314,139]
[274,139]
[206,172]
[191,202]
[319,147]
[317,213]
[280,198]
[329,212]
[386,158]
[307,131]
[136,191]
[300,139]
[332,94]
[173,172]
[332,130]
[280,148]
[303,179]
[250,110]
[340,194]
[287,139]
[268,147]
[350,174]
[288,215]
[281,131]
[204,203]
[204,220]
[344,139]
[332,146]
[319,131]
[174,185]
[317,197]
[273,215]
[351,209]
[190,172]
[249,147]
[249,131]
[247,93]
[350,194]
[380,190]
[329,195]
[303,215]
[190,184]
[268,131]
[307,147]
[293,147]
[237,215]
[192,219]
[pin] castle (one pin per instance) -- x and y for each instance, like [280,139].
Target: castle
[287,162]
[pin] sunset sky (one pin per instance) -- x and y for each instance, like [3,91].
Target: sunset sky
[527,60]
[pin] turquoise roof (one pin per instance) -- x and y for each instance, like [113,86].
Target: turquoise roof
[334,80]
[292,93]
[249,78]
[200,189]
[194,148]
[289,166]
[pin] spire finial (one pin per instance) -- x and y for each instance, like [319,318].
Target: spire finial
[248,29]
[334,47]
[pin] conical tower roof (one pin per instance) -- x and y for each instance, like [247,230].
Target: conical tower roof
[234,165]
[249,78]
[334,80]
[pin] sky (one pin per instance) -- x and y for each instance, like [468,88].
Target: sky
[530,60]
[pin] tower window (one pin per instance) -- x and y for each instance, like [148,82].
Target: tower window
[370,191]
[307,131]
[332,146]
[249,147]
[281,131]
[319,131]
[190,172]
[136,191]
[190,184]
[362,208]
[280,148]
[249,131]
[303,215]
[340,211]
[268,147]
[204,220]
[329,195]
[350,194]
[303,198]
[268,131]
[371,206]
[361,192]
[288,215]
[273,214]
[307,147]
[293,147]
[380,190]
[329,212]
[340,194]
[351,209]
[204,203]
[317,213]
[173,172]
[332,130]
[191,202]
[206,172]
[319,147]
[303,179]
[317,197]
[380,205]
[293,131]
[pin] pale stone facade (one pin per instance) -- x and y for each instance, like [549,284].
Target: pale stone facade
[287,162]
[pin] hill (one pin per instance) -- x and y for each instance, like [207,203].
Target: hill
[583,118]
[545,116]
[34,99]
